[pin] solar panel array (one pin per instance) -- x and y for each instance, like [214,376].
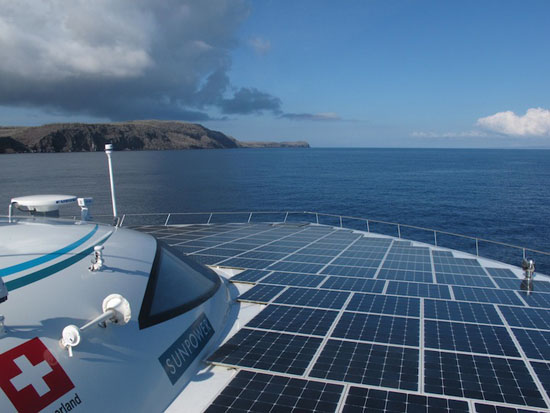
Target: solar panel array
[360,322]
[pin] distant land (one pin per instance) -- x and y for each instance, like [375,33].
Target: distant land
[135,136]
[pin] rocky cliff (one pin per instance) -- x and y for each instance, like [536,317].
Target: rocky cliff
[136,135]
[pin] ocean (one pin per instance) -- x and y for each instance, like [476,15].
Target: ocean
[501,195]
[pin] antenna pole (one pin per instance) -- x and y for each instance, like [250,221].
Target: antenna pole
[108,151]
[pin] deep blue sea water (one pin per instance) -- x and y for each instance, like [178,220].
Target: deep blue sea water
[501,195]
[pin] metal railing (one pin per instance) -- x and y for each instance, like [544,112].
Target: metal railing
[343,221]
[431,236]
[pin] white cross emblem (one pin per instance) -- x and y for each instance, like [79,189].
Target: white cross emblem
[31,375]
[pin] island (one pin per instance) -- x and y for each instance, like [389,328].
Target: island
[134,135]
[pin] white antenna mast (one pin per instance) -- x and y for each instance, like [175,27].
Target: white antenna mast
[108,151]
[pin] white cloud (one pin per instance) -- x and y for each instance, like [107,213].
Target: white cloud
[125,59]
[323,116]
[535,122]
[260,45]
[467,134]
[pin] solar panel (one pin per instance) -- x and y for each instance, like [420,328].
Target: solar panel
[263,255]
[315,259]
[296,267]
[360,272]
[515,283]
[354,284]
[418,289]
[536,299]
[259,392]
[543,373]
[261,293]
[535,344]
[361,399]
[357,262]
[489,408]
[430,331]
[385,304]
[206,259]
[471,338]
[480,377]
[465,280]
[501,272]
[266,350]
[249,276]
[526,317]
[294,320]
[365,363]
[486,295]
[313,298]
[405,275]
[461,311]
[378,328]
[298,280]
[246,263]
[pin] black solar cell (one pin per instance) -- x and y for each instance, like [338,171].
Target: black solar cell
[294,320]
[374,364]
[313,298]
[526,317]
[461,311]
[535,344]
[486,295]
[378,328]
[258,392]
[249,276]
[360,272]
[288,278]
[373,400]
[354,284]
[471,338]
[385,304]
[265,350]
[261,293]
[480,377]
[418,289]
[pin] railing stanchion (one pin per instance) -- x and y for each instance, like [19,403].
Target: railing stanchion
[399,230]
[249,218]
[477,247]
[435,238]
[167,219]
[122,220]
[523,253]
[368,226]
[209,219]
[340,221]
[317,218]
[286,216]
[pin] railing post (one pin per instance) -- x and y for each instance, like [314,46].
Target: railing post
[249,218]
[167,219]
[435,237]
[523,253]
[209,219]
[317,218]
[286,216]
[368,226]
[477,247]
[399,230]
[122,220]
[340,221]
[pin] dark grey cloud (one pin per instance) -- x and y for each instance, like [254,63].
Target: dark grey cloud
[250,100]
[124,59]
[325,116]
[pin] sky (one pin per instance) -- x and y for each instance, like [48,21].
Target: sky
[354,73]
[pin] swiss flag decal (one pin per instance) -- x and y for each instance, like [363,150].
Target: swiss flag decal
[31,377]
